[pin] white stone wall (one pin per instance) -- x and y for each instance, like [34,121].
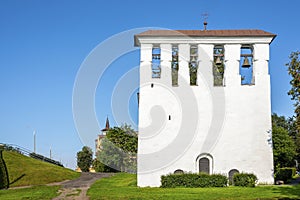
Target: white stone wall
[229,125]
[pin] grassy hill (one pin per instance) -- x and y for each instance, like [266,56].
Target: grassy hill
[24,171]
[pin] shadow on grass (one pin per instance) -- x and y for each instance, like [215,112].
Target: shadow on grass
[17,179]
[288,191]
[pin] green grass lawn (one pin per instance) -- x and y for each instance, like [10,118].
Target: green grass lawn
[24,171]
[36,192]
[123,186]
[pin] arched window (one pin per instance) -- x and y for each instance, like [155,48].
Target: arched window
[174,66]
[193,65]
[156,69]
[246,65]
[178,171]
[231,174]
[218,66]
[204,165]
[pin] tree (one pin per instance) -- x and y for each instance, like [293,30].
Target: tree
[284,148]
[111,155]
[280,121]
[288,124]
[218,66]
[119,149]
[4,177]
[193,73]
[123,137]
[294,92]
[84,158]
[100,167]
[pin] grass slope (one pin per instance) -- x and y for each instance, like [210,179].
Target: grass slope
[33,193]
[123,186]
[25,171]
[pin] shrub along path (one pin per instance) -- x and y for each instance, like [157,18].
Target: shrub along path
[76,189]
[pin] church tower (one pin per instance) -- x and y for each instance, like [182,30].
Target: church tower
[204,103]
[101,136]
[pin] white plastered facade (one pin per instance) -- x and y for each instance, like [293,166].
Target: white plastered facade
[179,125]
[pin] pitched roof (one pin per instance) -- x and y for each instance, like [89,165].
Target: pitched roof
[206,33]
[201,33]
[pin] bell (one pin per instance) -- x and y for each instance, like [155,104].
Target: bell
[218,61]
[246,63]
[174,57]
[193,59]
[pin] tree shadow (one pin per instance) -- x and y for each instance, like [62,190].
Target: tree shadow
[17,179]
[288,191]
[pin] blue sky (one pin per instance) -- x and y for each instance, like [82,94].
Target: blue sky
[43,44]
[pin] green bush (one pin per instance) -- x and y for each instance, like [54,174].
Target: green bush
[244,179]
[100,167]
[191,180]
[284,174]
[4,181]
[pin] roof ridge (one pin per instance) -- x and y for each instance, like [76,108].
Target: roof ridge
[220,32]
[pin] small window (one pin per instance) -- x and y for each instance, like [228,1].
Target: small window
[156,69]
[218,66]
[246,65]
[193,65]
[174,66]
[178,171]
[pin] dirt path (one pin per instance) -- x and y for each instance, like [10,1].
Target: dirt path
[76,189]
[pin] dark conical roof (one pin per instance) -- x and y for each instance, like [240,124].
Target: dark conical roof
[106,125]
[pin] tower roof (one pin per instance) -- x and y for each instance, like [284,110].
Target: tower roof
[203,33]
[107,127]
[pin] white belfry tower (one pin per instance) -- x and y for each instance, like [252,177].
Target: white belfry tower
[204,103]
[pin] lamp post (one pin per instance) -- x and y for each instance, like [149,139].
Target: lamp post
[34,142]
[50,153]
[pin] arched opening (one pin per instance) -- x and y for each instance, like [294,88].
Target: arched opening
[246,65]
[204,165]
[156,68]
[231,174]
[218,66]
[193,65]
[178,171]
[174,66]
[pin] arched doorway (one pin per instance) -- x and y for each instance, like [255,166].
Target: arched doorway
[231,174]
[204,165]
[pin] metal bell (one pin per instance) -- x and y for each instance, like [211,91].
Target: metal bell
[218,61]
[246,63]
[175,58]
[193,59]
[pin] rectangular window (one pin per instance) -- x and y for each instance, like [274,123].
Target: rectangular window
[246,65]
[218,66]
[156,69]
[193,65]
[174,66]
